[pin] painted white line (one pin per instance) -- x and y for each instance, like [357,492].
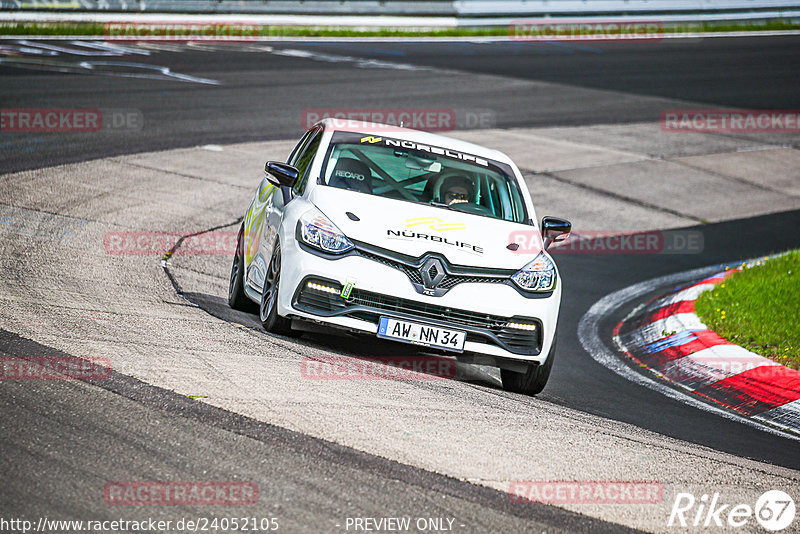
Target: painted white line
[106,68]
[713,364]
[376,21]
[722,357]
[419,39]
[112,46]
[701,35]
[589,336]
[357,61]
[83,49]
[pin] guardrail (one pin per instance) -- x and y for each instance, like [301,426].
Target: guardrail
[452,8]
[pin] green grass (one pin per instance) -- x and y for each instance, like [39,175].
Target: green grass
[759,309]
[97,29]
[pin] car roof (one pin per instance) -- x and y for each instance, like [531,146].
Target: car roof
[417,136]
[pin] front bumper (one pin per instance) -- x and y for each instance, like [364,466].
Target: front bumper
[490,313]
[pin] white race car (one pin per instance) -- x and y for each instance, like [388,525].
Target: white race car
[408,236]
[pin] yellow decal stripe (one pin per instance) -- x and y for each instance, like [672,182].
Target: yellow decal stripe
[435,223]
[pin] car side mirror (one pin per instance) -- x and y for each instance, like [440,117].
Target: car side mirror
[281,174]
[555,230]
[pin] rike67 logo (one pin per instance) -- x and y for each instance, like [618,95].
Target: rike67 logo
[774,511]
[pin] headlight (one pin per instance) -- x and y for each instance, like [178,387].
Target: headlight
[538,275]
[319,232]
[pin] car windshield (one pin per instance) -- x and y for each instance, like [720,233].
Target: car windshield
[425,174]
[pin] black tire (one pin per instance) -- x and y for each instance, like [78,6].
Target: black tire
[533,380]
[237,299]
[268,311]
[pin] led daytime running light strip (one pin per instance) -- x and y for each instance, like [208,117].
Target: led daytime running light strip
[322,288]
[522,326]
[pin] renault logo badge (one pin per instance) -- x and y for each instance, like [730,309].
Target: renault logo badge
[432,272]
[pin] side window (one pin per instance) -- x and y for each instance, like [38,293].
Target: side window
[297,149]
[304,159]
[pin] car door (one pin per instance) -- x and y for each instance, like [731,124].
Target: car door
[267,216]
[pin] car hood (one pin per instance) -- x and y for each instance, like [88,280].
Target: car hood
[414,229]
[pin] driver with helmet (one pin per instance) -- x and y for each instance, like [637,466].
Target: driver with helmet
[457,189]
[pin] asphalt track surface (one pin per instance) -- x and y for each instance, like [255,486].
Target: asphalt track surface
[263,97]
[77,435]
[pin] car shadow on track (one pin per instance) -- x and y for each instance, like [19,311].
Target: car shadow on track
[362,347]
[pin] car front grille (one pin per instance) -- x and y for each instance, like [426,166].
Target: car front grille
[412,273]
[369,306]
[452,280]
[386,303]
[411,268]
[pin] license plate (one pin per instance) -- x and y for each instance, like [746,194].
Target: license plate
[421,334]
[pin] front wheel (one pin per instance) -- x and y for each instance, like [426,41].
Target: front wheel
[268,311]
[532,381]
